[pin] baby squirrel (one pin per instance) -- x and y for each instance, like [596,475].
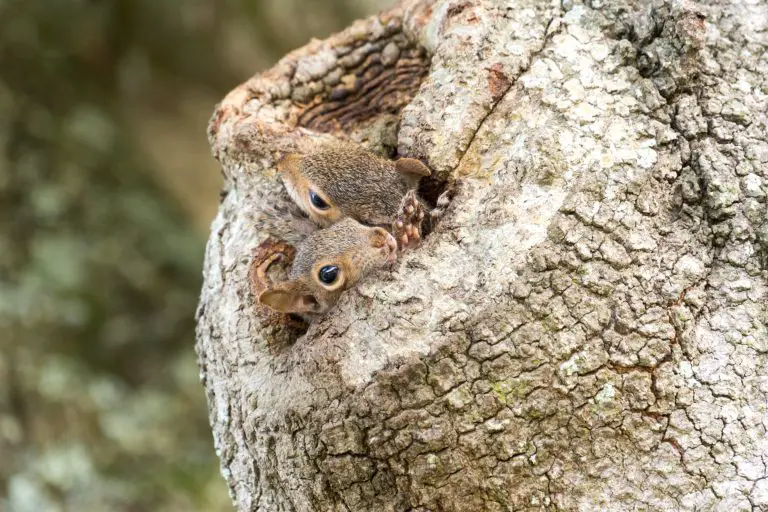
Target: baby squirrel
[345,180]
[328,262]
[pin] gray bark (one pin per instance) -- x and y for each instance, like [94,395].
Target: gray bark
[587,327]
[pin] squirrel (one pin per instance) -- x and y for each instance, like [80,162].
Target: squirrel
[327,262]
[345,180]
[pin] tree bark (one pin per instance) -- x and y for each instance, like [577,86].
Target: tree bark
[585,330]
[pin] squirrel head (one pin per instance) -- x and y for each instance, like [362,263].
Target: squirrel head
[344,180]
[328,262]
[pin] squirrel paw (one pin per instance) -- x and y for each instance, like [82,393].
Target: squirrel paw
[407,226]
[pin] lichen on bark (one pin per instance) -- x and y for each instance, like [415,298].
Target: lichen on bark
[585,329]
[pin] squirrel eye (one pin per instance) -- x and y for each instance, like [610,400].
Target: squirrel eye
[317,201]
[328,274]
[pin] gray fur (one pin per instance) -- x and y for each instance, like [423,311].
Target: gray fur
[330,243]
[362,185]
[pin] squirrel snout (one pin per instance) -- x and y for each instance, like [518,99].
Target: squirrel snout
[392,245]
[382,239]
[379,237]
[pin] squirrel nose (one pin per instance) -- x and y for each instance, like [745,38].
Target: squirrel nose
[392,243]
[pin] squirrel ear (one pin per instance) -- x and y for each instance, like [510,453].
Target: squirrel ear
[412,166]
[289,162]
[287,297]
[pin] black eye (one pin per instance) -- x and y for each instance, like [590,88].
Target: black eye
[317,201]
[328,274]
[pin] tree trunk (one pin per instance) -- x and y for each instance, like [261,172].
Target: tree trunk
[585,330]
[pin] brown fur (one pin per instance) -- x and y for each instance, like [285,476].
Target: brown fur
[353,181]
[355,249]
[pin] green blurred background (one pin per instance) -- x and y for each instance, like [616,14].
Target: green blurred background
[107,188]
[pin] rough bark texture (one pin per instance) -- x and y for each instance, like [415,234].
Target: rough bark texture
[586,329]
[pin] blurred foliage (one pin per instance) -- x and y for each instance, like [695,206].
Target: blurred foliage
[104,184]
